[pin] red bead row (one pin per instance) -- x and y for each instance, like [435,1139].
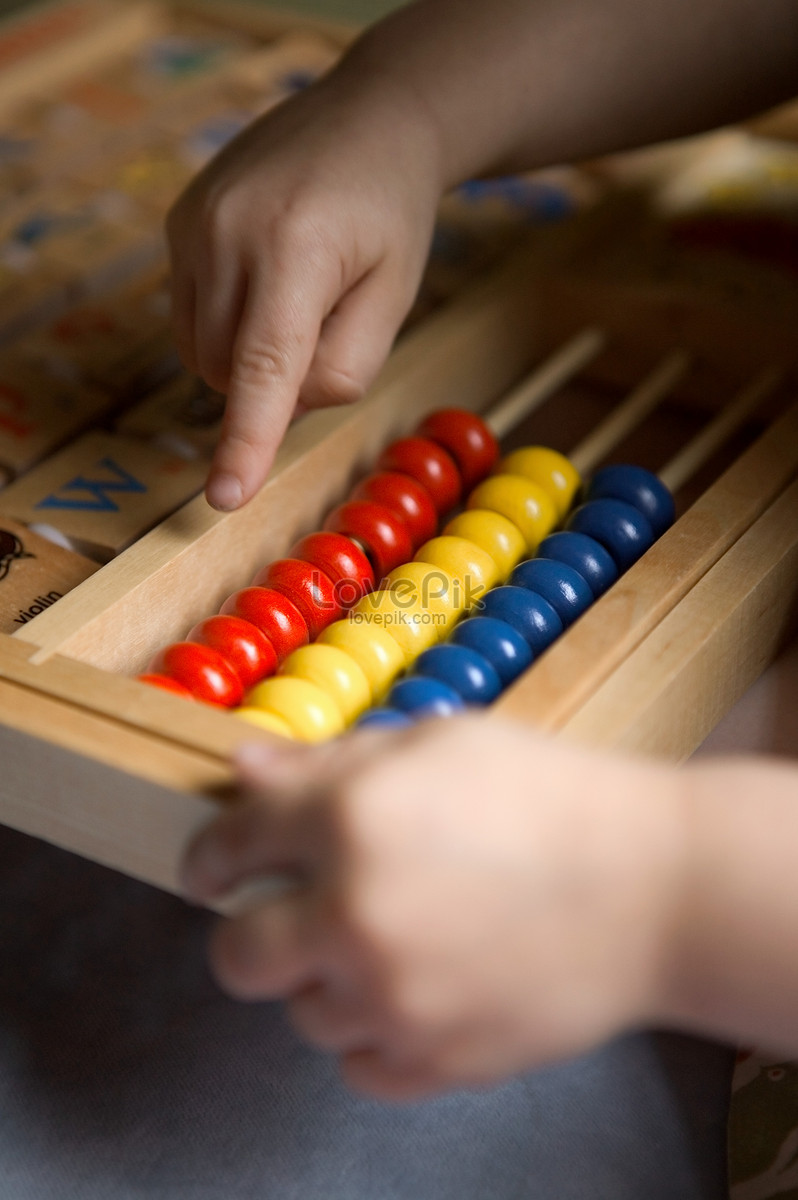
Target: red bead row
[388,515]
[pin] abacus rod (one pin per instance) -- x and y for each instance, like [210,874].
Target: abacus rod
[630,412]
[546,378]
[699,449]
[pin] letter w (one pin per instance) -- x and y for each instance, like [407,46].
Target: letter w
[97,488]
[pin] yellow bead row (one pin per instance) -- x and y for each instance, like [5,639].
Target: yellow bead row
[324,687]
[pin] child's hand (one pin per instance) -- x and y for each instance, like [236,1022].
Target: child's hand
[475,900]
[296,255]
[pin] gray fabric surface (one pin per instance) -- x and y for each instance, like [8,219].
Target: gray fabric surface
[124,1073]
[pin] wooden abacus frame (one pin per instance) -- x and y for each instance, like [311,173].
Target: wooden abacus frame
[96,762]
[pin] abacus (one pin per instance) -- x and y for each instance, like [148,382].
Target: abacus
[123,773]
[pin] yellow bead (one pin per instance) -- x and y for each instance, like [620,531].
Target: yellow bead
[311,715]
[438,591]
[555,473]
[404,617]
[336,673]
[472,567]
[498,535]
[523,502]
[264,720]
[379,655]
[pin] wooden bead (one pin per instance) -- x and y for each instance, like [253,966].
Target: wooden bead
[385,538]
[307,587]
[403,617]
[430,464]
[463,669]
[472,567]
[311,715]
[551,470]
[203,670]
[341,561]
[620,528]
[531,615]
[421,697]
[272,613]
[565,589]
[499,536]
[246,648]
[523,502]
[264,720]
[638,487]
[587,556]
[501,644]
[438,592]
[336,673]
[467,438]
[405,497]
[165,684]
[372,647]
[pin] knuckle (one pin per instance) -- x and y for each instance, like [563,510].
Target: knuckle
[258,362]
[297,230]
[330,386]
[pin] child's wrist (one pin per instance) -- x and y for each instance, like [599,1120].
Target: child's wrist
[655,997]
[381,81]
[684,984]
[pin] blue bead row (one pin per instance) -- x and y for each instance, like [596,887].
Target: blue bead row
[626,509]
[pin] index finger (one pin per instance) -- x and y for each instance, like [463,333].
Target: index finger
[274,346]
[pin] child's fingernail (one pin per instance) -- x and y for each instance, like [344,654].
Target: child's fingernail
[224,492]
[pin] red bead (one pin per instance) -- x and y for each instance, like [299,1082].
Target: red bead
[383,536]
[166,684]
[307,587]
[467,438]
[341,561]
[273,614]
[406,498]
[203,670]
[246,648]
[430,464]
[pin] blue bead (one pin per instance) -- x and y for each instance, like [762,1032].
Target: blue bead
[564,588]
[422,697]
[461,668]
[531,615]
[621,529]
[586,555]
[384,718]
[498,642]
[638,487]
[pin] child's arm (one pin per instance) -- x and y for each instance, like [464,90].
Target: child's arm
[297,253]
[477,900]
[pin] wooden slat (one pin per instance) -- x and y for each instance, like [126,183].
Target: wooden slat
[43,48]
[34,574]
[103,491]
[57,786]
[125,703]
